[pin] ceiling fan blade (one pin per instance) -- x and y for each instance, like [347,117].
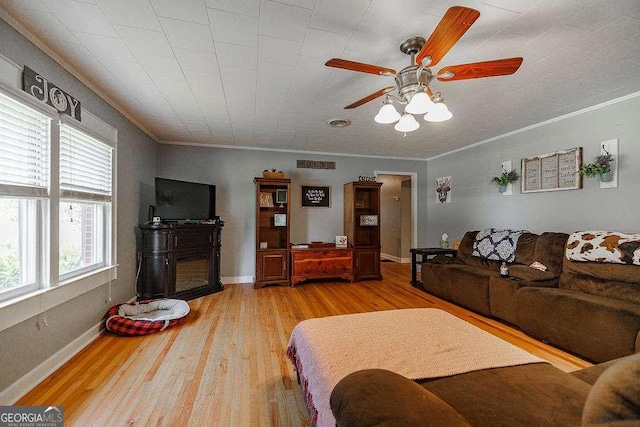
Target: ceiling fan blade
[370,97]
[476,70]
[358,66]
[451,27]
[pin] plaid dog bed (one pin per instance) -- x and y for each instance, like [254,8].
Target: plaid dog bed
[146,317]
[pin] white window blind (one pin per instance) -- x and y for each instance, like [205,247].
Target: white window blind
[85,166]
[24,150]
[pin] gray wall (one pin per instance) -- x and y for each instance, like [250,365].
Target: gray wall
[476,203]
[232,171]
[24,346]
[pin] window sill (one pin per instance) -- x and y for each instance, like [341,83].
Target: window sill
[26,306]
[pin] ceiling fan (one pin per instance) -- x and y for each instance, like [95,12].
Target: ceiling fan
[412,82]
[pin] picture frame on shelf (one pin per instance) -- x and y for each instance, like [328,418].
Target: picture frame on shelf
[281,196]
[316,196]
[266,200]
[341,242]
[369,220]
[280,220]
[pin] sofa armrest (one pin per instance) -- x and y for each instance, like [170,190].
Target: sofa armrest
[377,397]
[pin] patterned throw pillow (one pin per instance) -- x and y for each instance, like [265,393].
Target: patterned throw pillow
[604,246]
[497,245]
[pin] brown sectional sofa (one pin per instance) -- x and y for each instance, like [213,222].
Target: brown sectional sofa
[589,308]
[526,395]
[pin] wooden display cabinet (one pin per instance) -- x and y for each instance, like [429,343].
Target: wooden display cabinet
[272,231]
[362,227]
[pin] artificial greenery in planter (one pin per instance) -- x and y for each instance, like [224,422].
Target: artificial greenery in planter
[273,173]
[601,166]
[504,179]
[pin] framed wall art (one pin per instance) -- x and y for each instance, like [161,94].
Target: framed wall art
[318,196]
[552,171]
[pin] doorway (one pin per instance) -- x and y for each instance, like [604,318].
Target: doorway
[399,213]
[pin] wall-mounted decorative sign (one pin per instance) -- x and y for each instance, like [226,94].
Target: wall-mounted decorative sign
[443,189]
[552,171]
[314,164]
[316,196]
[42,89]
[367,178]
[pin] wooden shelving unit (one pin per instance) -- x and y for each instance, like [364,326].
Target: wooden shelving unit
[362,227]
[272,231]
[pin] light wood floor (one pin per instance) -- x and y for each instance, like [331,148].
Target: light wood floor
[226,365]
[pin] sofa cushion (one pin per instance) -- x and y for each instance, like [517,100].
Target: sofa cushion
[595,327]
[615,396]
[530,274]
[550,251]
[526,395]
[496,244]
[377,397]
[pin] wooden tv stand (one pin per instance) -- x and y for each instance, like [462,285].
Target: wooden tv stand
[321,263]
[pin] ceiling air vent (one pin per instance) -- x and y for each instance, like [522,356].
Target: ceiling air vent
[339,123]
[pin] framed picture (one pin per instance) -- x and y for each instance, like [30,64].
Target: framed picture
[281,196]
[280,220]
[318,196]
[552,171]
[266,199]
[369,220]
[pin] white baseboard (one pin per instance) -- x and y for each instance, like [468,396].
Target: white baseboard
[21,387]
[395,258]
[237,279]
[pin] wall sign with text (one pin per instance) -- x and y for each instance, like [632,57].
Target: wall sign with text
[42,89]
[316,196]
[552,171]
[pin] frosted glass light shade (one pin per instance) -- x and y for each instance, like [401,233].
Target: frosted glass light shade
[438,113]
[407,123]
[387,114]
[420,103]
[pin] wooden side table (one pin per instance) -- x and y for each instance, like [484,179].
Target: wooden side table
[424,254]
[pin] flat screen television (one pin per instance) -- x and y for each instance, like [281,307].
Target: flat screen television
[184,201]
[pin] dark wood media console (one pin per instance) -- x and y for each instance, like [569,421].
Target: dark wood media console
[180,260]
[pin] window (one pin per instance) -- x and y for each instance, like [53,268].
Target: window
[24,181]
[53,228]
[85,202]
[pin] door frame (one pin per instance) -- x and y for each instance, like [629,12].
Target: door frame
[414,201]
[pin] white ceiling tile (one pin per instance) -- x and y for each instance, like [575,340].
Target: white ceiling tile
[81,17]
[307,4]
[188,35]
[230,55]
[134,13]
[283,21]
[194,60]
[242,7]
[594,16]
[160,66]
[106,47]
[24,4]
[183,10]
[394,13]
[519,6]
[373,39]
[323,44]
[45,25]
[278,50]
[145,41]
[337,16]
[239,88]
[543,16]
[205,86]
[233,28]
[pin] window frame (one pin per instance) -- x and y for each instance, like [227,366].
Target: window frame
[53,290]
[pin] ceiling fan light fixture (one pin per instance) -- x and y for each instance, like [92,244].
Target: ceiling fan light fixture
[439,113]
[420,103]
[407,123]
[387,114]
